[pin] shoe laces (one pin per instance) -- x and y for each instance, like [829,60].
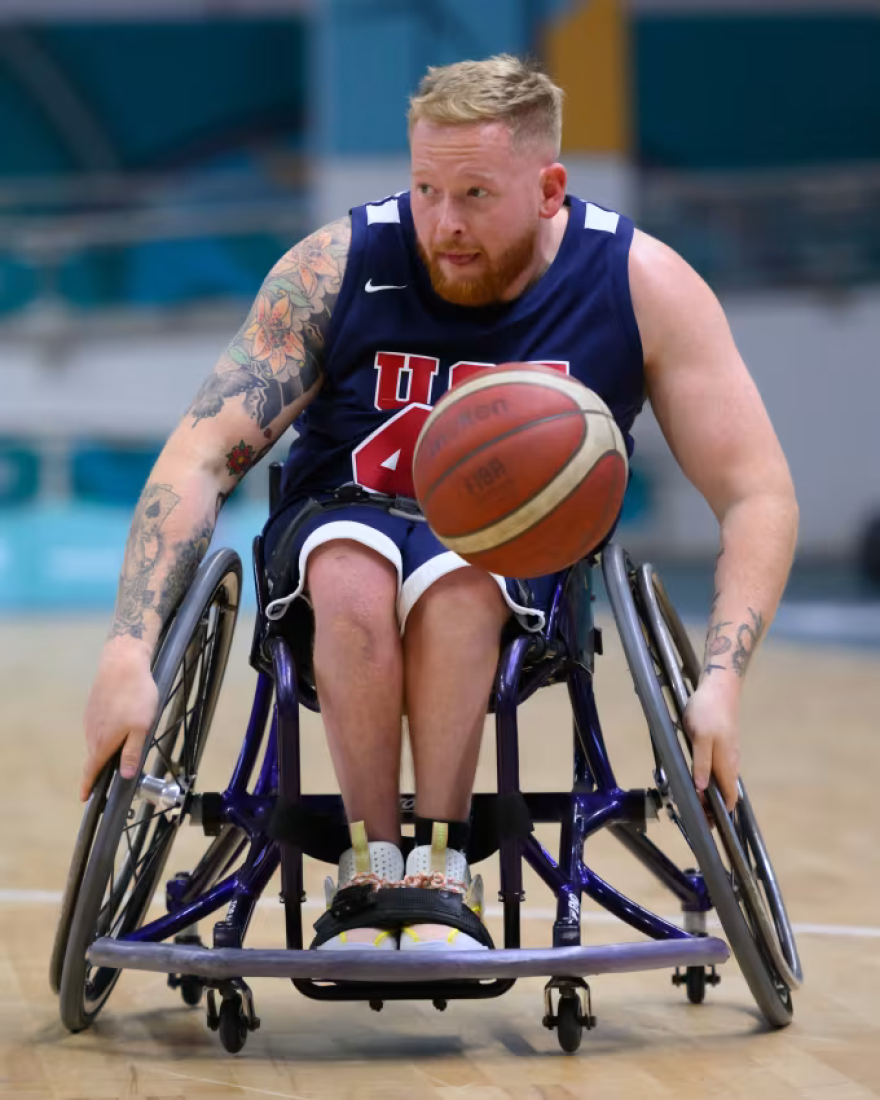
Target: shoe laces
[370,878]
[434,880]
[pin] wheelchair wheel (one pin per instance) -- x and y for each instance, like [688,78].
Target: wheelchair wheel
[134,822]
[737,871]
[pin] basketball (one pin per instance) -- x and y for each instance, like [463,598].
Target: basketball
[521,470]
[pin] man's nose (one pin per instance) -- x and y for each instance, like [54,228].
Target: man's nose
[450,222]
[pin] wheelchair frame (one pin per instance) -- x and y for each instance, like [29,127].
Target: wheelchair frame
[238,820]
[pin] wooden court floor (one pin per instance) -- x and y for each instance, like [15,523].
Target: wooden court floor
[812,764]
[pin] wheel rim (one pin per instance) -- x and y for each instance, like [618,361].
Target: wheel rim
[749,868]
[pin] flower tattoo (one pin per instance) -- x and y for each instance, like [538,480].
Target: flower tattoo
[274,333]
[240,459]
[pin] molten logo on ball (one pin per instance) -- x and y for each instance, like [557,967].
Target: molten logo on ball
[464,419]
[520,470]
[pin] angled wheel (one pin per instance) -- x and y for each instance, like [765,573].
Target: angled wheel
[737,869]
[133,823]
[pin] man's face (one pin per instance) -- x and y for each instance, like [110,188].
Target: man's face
[476,206]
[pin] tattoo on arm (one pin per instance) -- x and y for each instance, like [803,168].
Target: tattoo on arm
[142,553]
[240,459]
[716,596]
[145,554]
[275,357]
[747,637]
[717,644]
[187,556]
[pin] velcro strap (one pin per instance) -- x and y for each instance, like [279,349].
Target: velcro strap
[365,907]
[317,835]
[505,815]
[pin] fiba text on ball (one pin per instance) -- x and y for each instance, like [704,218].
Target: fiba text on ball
[486,477]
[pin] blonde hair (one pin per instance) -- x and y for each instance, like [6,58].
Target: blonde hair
[503,88]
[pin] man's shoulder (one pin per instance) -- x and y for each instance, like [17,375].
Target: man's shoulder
[598,216]
[670,299]
[334,237]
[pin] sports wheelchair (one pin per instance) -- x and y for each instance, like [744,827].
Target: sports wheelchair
[263,821]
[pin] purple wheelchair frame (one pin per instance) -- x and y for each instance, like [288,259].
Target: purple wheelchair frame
[239,818]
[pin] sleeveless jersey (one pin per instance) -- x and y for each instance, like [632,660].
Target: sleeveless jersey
[394,346]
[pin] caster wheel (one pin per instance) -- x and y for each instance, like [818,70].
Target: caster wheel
[232,1025]
[569,1028]
[191,990]
[695,984]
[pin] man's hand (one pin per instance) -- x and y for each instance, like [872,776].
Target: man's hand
[120,712]
[711,720]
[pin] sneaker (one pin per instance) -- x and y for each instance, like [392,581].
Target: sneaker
[440,868]
[377,863]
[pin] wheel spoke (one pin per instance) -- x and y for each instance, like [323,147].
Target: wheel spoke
[191,743]
[184,678]
[140,869]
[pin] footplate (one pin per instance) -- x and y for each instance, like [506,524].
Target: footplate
[407,966]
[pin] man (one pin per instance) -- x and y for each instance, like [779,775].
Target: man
[356,332]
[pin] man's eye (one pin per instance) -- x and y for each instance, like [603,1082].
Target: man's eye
[478,192]
[424,189]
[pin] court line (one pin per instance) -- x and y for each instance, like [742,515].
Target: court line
[232,1085]
[30,897]
[841,931]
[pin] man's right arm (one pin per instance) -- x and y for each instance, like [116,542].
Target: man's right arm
[265,378]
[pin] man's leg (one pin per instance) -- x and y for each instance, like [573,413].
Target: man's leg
[451,646]
[359,676]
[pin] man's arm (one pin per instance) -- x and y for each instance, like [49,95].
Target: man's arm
[715,423]
[262,382]
[265,378]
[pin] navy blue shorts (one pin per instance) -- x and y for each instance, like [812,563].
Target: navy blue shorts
[406,541]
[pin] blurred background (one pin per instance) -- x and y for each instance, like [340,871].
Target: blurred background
[157,156]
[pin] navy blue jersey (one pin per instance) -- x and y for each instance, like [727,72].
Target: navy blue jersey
[394,346]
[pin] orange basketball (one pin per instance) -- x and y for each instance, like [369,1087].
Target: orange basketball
[520,470]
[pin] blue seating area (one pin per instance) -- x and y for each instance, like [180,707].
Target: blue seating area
[149,189]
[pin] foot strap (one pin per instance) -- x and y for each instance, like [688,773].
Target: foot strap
[366,907]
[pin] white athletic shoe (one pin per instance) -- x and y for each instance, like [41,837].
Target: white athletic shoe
[437,867]
[378,862]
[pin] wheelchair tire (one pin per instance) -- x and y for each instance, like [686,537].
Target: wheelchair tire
[81,852]
[132,835]
[738,872]
[569,1029]
[695,984]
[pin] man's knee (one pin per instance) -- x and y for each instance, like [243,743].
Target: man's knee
[353,591]
[466,599]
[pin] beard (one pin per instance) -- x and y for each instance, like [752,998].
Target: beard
[497,276]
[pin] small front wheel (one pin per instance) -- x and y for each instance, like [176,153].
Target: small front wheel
[191,990]
[232,1025]
[569,1029]
[695,984]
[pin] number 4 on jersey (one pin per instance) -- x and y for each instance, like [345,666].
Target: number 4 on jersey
[383,462]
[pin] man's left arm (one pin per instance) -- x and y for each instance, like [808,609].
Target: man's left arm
[715,423]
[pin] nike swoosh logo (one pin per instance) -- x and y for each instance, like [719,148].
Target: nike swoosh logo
[371,289]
